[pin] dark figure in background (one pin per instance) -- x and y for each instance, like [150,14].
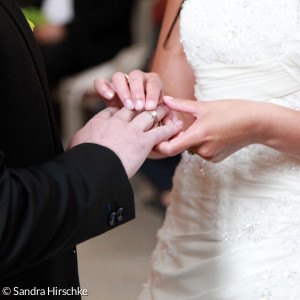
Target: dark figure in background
[100,29]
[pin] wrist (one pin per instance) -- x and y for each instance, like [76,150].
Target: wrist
[269,116]
[259,125]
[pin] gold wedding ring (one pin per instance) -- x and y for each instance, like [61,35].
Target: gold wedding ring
[154,116]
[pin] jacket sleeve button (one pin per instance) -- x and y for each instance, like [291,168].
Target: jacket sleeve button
[120,214]
[112,219]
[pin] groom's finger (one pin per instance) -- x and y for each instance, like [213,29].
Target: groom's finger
[126,114]
[107,112]
[147,119]
[163,133]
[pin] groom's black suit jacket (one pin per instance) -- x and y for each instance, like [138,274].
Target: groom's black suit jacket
[49,201]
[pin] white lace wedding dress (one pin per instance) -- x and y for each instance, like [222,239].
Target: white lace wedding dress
[232,230]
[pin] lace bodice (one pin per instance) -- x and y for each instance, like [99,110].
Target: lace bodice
[238,31]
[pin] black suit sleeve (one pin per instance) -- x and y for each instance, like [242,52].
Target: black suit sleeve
[54,206]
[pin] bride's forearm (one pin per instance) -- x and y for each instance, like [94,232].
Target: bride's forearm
[280,129]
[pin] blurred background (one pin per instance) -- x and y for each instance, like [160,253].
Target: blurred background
[81,40]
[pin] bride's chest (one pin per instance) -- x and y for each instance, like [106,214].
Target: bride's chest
[239,31]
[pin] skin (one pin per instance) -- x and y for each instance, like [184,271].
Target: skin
[212,129]
[129,134]
[50,34]
[171,74]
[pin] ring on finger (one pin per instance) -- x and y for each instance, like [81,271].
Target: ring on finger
[154,115]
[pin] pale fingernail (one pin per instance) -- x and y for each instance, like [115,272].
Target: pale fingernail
[139,104]
[168,98]
[129,104]
[150,104]
[109,94]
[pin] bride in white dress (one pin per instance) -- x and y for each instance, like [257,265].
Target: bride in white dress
[232,230]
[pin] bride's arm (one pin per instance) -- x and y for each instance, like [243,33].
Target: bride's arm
[281,129]
[223,127]
[171,64]
[170,61]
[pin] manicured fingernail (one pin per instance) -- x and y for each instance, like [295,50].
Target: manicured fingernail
[168,98]
[109,94]
[150,104]
[139,104]
[129,104]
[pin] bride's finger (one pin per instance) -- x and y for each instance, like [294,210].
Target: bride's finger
[104,88]
[154,92]
[120,83]
[180,143]
[172,116]
[182,105]
[136,80]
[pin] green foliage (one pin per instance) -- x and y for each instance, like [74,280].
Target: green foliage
[34,14]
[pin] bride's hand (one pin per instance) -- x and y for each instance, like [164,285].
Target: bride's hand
[140,91]
[220,128]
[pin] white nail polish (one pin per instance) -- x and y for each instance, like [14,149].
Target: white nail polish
[129,104]
[150,104]
[109,94]
[139,104]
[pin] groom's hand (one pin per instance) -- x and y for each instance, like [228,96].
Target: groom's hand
[128,133]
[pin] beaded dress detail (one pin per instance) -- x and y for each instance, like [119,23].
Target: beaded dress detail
[232,230]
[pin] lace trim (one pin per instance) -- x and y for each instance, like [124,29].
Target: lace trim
[238,31]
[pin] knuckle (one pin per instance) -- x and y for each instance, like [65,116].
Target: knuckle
[169,151]
[141,142]
[155,79]
[154,75]
[153,86]
[98,81]
[206,152]
[135,74]
[99,84]
[116,76]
